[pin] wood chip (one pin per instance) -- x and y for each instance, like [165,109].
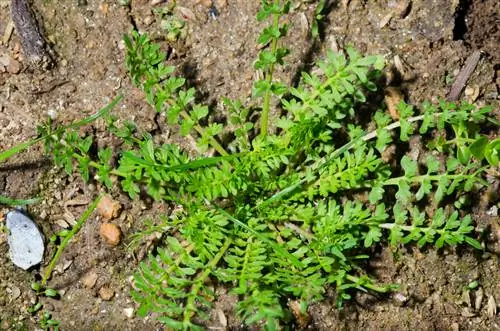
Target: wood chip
[69,217]
[463,76]
[392,98]
[77,202]
[8,32]
[301,317]
[479,298]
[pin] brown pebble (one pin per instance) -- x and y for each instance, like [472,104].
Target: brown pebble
[108,208]
[221,4]
[110,233]
[11,65]
[206,3]
[89,280]
[106,293]
[14,67]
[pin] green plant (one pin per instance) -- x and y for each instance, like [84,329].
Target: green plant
[285,211]
[48,323]
[173,25]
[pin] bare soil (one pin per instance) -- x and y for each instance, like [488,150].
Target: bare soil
[427,41]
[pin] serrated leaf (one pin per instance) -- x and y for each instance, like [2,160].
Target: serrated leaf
[376,194]
[425,188]
[373,236]
[403,195]
[410,166]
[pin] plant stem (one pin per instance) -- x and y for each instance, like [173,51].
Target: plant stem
[337,152]
[68,237]
[202,133]
[200,281]
[13,202]
[372,287]
[264,117]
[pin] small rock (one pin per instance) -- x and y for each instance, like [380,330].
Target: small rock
[110,233]
[25,240]
[89,280]
[148,20]
[15,293]
[62,223]
[13,66]
[400,298]
[403,8]
[221,4]
[186,13]
[63,266]
[206,3]
[491,306]
[129,312]
[493,211]
[106,293]
[108,208]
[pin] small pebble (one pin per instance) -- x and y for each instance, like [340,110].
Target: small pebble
[129,312]
[13,66]
[90,279]
[400,298]
[106,293]
[206,3]
[493,211]
[63,266]
[15,293]
[110,233]
[221,4]
[108,208]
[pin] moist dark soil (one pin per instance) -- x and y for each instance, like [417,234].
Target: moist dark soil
[425,42]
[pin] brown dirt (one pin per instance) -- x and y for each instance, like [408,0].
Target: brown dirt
[432,39]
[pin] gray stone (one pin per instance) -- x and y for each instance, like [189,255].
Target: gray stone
[25,240]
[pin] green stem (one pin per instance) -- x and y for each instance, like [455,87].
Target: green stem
[17,202]
[202,133]
[366,137]
[421,178]
[264,117]
[68,238]
[373,287]
[200,281]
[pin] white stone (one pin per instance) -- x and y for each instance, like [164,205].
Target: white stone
[25,240]
[129,312]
